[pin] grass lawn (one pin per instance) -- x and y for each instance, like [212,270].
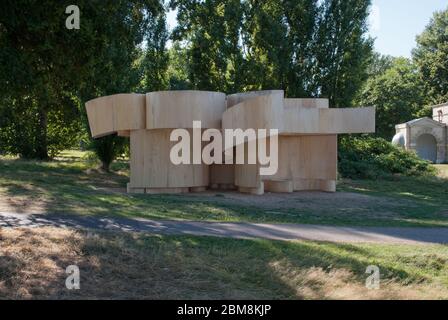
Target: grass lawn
[72,185]
[124,266]
[130,265]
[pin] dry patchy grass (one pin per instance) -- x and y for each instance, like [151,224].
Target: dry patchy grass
[138,266]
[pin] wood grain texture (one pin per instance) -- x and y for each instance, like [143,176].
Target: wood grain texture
[307,138]
[151,166]
[237,98]
[306,103]
[116,113]
[328,121]
[178,109]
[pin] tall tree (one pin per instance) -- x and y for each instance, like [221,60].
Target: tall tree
[116,68]
[178,68]
[309,48]
[431,55]
[48,71]
[212,32]
[279,37]
[155,57]
[39,63]
[379,64]
[343,51]
[397,93]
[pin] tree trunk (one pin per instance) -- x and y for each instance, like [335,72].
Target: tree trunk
[105,166]
[41,141]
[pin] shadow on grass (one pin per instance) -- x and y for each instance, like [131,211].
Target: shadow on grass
[431,190]
[74,187]
[136,266]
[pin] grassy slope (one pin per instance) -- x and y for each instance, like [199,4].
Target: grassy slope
[118,265]
[71,185]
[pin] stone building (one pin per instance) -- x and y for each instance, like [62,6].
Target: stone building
[428,137]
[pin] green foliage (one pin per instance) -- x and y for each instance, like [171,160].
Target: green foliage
[431,56]
[108,148]
[292,45]
[309,48]
[379,64]
[280,46]
[343,50]
[214,54]
[47,72]
[155,58]
[371,158]
[120,65]
[177,68]
[397,92]
[38,63]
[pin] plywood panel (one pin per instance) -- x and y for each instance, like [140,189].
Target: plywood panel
[314,184]
[317,158]
[278,186]
[237,98]
[101,116]
[246,175]
[222,174]
[116,113]
[328,121]
[129,111]
[347,120]
[137,158]
[307,141]
[178,109]
[262,112]
[306,161]
[151,166]
[306,103]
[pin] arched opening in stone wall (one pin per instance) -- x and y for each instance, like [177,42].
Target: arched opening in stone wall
[427,147]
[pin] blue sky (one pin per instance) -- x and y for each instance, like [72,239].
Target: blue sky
[394,23]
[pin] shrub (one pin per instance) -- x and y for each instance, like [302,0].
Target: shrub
[372,158]
[108,149]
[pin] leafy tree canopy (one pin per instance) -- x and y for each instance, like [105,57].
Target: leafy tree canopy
[431,56]
[397,92]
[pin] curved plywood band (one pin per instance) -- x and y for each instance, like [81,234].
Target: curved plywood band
[328,121]
[259,112]
[306,103]
[117,113]
[178,109]
[237,98]
[269,110]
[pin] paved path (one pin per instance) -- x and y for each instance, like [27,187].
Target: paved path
[233,230]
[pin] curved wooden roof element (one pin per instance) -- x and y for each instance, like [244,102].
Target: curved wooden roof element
[269,110]
[178,109]
[121,113]
[116,113]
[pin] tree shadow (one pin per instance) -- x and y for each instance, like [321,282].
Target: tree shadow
[139,266]
[70,187]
